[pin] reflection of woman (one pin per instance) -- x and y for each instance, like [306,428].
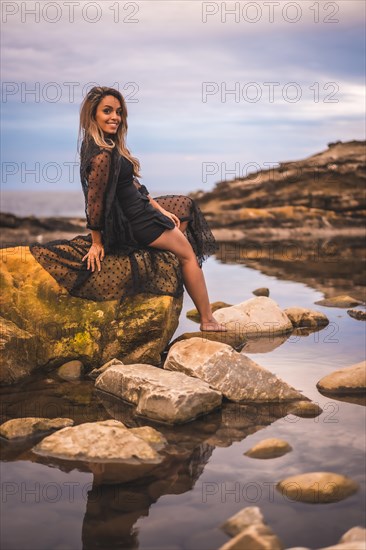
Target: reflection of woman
[132,235]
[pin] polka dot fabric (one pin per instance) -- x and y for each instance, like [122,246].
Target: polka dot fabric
[130,265]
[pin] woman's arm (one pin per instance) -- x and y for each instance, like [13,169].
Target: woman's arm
[97,185]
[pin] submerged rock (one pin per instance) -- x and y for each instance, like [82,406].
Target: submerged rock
[158,394]
[303,317]
[339,301]
[317,487]
[26,427]
[42,324]
[259,315]
[305,409]
[345,381]
[269,448]
[233,374]
[72,370]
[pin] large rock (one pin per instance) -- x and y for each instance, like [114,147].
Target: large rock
[255,537]
[345,381]
[104,441]
[259,315]
[233,374]
[317,487]
[42,324]
[251,515]
[165,396]
[26,427]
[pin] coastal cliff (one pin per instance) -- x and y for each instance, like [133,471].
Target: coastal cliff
[324,191]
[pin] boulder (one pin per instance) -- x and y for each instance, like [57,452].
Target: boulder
[26,427]
[233,374]
[42,324]
[317,487]
[342,300]
[170,397]
[254,537]
[269,448]
[303,317]
[345,381]
[305,409]
[259,316]
[104,441]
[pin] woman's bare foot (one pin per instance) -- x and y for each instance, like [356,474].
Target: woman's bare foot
[212,326]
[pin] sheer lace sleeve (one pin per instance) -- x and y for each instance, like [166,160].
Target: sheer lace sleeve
[140,186]
[97,183]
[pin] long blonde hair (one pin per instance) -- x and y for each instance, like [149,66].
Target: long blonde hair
[89,129]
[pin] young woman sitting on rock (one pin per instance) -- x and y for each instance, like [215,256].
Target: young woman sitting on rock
[136,243]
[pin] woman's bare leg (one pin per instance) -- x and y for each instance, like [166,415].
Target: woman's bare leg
[194,281]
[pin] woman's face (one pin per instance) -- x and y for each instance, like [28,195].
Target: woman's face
[108,114]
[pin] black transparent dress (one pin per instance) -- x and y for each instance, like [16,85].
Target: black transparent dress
[117,205]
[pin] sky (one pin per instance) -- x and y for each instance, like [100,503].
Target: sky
[214,90]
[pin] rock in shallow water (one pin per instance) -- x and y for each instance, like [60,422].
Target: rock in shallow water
[107,440]
[258,315]
[241,520]
[57,327]
[233,374]
[358,314]
[269,448]
[158,394]
[26,427]
[303,317]
[72,370]
[317,487]
[345,381]
[339,301]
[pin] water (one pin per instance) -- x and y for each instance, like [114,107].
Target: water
[182,506]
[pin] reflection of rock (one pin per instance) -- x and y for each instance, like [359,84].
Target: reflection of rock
[339,301]
[303,317]
[259,315]
[345,381]
[250,532]
[264,344]
[26,427]
[331,265]
[242,519]
[318,487]
[158,394]
[269,448]
[45,325]
[358,314]
[233,374]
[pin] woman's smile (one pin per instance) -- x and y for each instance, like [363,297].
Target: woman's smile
[108,115]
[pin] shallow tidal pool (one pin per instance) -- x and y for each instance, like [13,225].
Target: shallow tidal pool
[48,505]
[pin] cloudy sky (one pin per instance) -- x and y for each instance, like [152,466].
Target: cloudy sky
[213,89]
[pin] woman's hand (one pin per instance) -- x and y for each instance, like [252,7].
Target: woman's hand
[173,217]
[95,256]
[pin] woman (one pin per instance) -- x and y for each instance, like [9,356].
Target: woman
[136,238]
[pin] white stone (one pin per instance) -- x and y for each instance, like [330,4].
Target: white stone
[259,315]
[233,374]
[158,394]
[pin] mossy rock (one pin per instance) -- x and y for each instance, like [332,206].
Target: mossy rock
[43,326]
